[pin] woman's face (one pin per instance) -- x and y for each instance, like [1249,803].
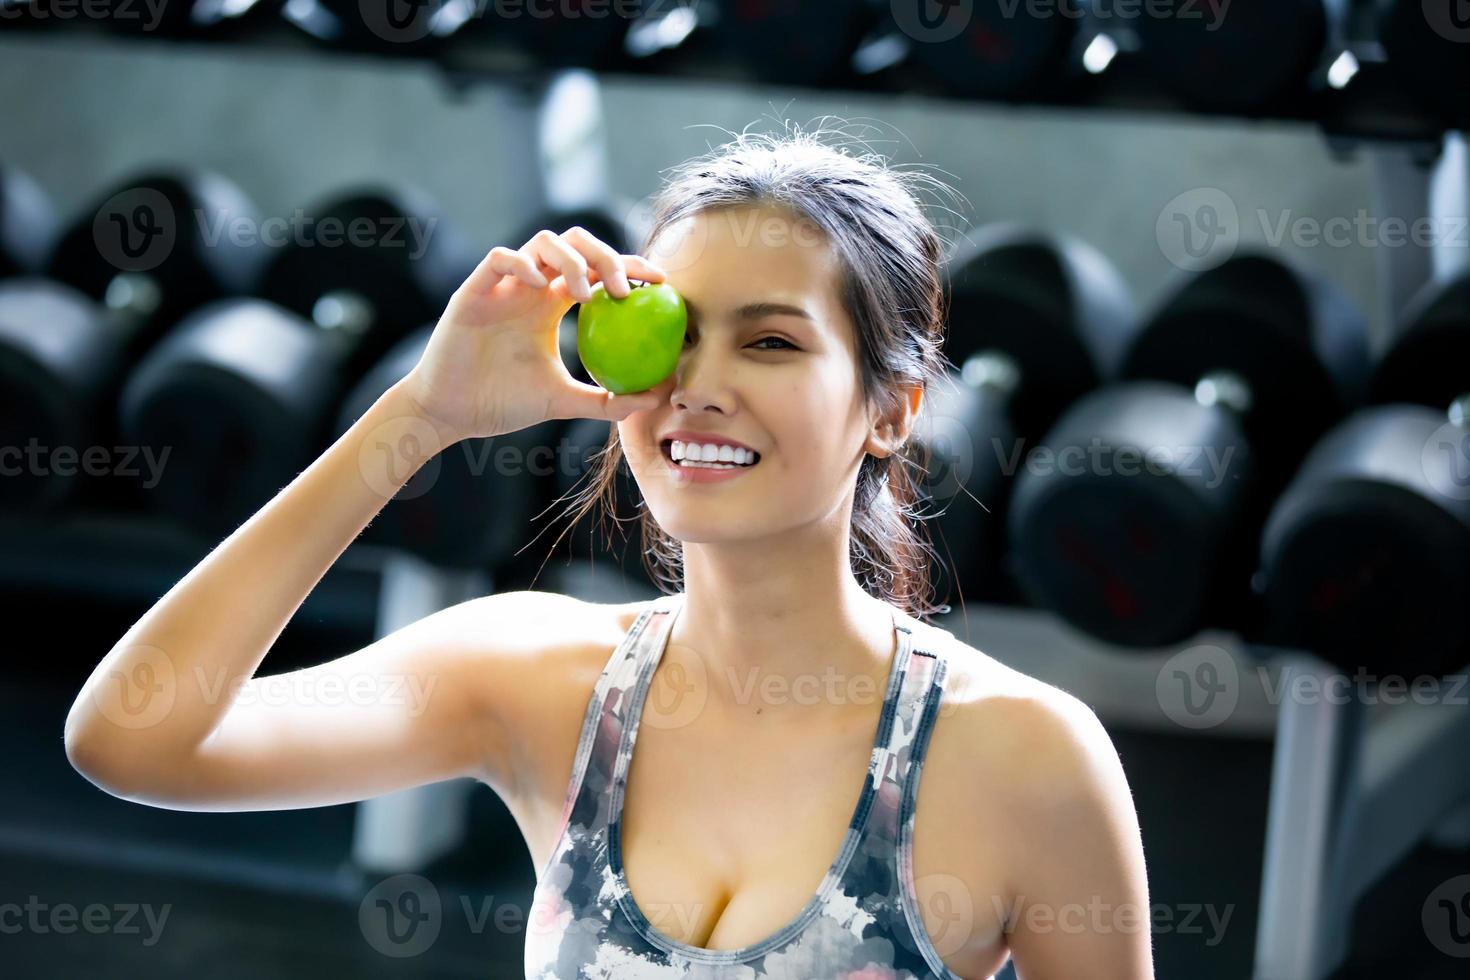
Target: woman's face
[769,360]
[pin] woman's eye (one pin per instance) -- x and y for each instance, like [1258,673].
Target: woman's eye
[779,340]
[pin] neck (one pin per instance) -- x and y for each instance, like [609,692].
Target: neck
[774,635]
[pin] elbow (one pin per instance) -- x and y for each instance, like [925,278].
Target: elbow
[98,764]
[89,762]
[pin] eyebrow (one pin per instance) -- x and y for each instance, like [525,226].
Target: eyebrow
[754,311]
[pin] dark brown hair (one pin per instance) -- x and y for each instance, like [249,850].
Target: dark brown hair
[893,290]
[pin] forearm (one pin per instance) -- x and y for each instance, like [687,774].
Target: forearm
[168,681]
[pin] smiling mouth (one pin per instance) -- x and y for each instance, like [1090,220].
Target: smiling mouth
[666,447]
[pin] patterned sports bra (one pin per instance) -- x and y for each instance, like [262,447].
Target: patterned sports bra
[862,924]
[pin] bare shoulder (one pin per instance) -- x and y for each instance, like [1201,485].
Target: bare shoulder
[1031,736]
[546,621]
[1042,813]
[1030,779]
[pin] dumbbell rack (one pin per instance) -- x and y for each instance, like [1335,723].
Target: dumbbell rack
[1356,785]
[1353,790]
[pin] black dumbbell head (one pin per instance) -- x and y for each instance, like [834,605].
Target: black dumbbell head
[1052,304]
[163,243]
[1121,522]
[793,41]
[468,507]
[1290,335]
[1241,58]
[991,51]
[1427,43]
[385,253]
[58,351]
[237,394]
[1365,560]
[1428,360]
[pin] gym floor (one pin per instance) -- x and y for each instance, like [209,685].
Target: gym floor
[273,894]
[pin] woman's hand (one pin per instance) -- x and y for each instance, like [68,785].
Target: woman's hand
[493,364]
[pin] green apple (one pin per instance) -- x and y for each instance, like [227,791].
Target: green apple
[631,344]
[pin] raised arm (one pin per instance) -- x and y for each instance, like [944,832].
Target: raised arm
[175,716]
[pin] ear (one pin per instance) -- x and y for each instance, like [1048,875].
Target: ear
[891,431]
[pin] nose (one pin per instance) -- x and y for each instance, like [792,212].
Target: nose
[701,382]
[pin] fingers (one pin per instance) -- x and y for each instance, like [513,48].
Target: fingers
[556,252]
[591,402]
[577,256]
[640,268]
[583,259]
[500,262]
[602,257]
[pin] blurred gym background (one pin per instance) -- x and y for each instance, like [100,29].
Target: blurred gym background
[1207,465]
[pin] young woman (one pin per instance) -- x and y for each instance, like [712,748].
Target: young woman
[785,701]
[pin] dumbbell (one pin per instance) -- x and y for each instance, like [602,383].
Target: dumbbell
[1242,58]
[27,224]
[540,34]
[1365,559]
[989,52]
[471,505]
[60,355]
[565,34]
[1033,318]
[368,266]
[1427,45]
[244,392]
[191,19]
[143,254]
[1136,518]
[378,26]
[154,247]
[237,395]
[794,42]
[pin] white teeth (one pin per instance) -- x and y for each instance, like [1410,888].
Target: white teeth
[711,453]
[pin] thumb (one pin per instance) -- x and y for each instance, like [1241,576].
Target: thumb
[600,403]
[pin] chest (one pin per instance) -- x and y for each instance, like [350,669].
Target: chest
[725,840]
